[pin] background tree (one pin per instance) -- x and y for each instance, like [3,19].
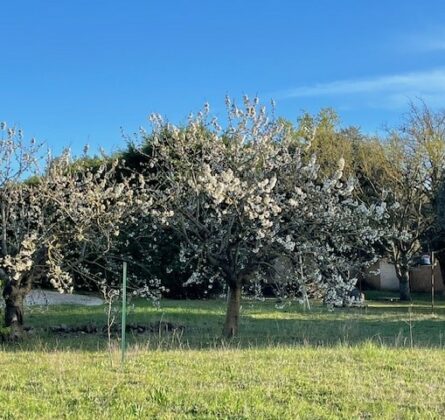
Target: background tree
[407,168]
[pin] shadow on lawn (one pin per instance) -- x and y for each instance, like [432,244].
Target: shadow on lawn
[262,325]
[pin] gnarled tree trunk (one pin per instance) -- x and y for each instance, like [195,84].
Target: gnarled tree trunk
[231,323]
[15,291]
[14,296]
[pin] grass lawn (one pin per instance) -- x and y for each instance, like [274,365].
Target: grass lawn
[383,361]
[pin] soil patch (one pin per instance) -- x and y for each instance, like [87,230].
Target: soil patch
[155,327]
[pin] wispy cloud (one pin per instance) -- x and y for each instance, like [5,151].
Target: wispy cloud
[391,91]
[429,41]
[427,81]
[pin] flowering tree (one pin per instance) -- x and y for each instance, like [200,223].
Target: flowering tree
[17,159]
[408,170]
[409,214]
[58,225]
[243,197]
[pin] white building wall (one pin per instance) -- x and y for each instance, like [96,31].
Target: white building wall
[388,277]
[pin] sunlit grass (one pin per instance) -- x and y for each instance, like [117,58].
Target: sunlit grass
[383,361]
[262,323]
[281,382]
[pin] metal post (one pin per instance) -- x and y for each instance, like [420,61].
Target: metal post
[433,263]
[305,296]
[124,310]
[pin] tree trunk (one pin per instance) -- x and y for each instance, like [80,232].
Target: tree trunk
[404,288]
[233,311]
[14,297]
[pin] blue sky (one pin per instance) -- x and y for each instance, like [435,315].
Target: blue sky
[74,72]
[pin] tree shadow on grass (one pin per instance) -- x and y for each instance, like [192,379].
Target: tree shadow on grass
[262,326]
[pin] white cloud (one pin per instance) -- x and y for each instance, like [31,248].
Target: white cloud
[427,81]
[390,91]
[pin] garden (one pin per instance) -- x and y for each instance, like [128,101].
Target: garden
[229,262]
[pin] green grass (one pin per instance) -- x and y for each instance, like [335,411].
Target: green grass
[383,361]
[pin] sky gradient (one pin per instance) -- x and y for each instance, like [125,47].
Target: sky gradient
[75,72]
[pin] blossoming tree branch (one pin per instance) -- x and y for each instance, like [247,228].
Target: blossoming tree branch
[243,197]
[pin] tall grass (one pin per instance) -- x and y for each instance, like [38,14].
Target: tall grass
[375,362]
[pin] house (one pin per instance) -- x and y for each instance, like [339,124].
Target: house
[420,277]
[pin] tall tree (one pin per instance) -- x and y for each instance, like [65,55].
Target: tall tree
[407,168]
[242,197]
